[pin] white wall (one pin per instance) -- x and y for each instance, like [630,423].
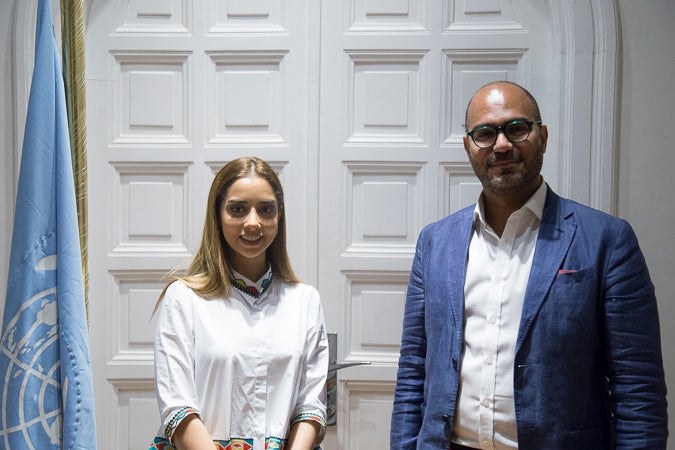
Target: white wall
[646,195]
[647,154]
[7,125]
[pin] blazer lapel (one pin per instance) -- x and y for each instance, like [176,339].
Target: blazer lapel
[556,232]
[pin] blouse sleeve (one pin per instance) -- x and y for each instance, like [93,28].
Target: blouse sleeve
[311,402]
[174,358]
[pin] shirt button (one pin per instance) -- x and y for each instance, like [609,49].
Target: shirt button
[486,402]
[486,443]
[492,320]
[489,360]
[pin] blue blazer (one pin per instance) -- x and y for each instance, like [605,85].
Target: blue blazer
[588,370]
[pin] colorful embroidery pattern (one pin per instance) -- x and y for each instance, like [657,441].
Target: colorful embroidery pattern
[273,443]
[309,416]
[253,290]
[232,444]
[177,417]
[239,444]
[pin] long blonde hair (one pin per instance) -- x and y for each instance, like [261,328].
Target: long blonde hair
[209,273]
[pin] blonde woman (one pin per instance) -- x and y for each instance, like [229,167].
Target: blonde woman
[241,353]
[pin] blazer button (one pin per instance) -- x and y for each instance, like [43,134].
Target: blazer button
[446,418]
[454,363]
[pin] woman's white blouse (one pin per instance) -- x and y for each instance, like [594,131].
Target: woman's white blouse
[249,367]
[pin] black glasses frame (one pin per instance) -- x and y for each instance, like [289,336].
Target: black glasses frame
[502,129]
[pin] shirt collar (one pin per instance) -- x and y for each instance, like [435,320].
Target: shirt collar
[254,290]
[534,204]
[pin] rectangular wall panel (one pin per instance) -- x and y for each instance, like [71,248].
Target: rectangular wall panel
[151,95]
[249,98]
[149,208]
[385,100]
[381,208]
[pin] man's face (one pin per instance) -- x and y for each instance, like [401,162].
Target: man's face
[505,168]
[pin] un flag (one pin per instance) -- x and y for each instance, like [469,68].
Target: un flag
[46,399]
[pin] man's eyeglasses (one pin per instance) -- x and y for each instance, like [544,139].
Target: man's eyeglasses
[516,131]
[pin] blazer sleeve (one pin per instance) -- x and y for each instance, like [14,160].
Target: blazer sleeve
[633,350]
[409,392]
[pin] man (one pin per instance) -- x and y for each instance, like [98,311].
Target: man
[530,320]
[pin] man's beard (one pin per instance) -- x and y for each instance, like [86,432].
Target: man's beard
[511,179]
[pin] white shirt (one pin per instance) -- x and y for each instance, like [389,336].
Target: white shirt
[497,273]
[249,367]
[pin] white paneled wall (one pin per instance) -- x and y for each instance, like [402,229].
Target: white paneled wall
[359,106]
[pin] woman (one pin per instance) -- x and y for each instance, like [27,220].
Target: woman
[241,354]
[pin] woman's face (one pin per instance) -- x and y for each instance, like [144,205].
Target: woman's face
[249,217]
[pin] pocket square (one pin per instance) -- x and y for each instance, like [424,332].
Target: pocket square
[564,271]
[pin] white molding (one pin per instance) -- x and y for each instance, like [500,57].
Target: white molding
[606,101]
[587,32]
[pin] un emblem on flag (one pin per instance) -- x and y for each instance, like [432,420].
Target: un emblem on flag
[29,359]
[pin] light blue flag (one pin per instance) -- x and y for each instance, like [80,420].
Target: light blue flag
[47,394]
